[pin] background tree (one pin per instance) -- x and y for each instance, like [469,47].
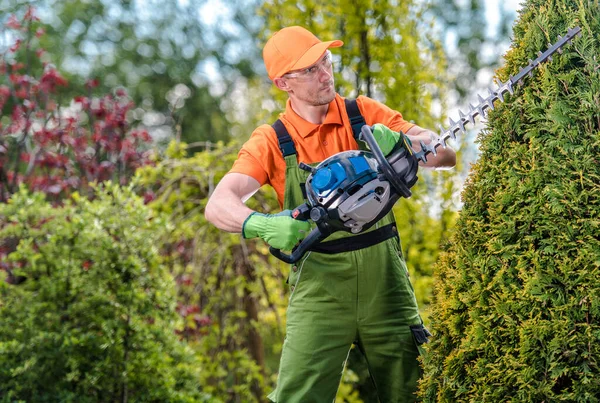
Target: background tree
[166,54]
[514,317]
[51,142]
[471,46]
[231,291]
[387,53]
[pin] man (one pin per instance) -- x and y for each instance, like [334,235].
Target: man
[359,295]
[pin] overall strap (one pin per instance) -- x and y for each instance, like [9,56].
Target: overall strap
[288,150]
[356,119]
[286,145]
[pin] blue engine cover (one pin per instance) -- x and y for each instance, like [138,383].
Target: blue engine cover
[340,176]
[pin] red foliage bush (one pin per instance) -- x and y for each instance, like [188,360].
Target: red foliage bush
[53,147]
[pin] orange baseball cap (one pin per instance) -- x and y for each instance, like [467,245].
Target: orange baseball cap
[293,48]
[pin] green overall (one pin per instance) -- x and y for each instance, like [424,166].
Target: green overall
[362,296]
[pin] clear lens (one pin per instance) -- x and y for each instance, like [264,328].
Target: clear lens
[311,72]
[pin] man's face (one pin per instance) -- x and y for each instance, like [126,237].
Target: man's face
[314,84]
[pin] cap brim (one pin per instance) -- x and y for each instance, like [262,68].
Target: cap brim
[313,54]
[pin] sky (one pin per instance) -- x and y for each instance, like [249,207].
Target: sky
[492,9]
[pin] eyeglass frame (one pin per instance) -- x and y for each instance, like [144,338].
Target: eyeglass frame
[324,63]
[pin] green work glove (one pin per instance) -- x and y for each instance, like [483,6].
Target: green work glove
[280,231]
[387,138]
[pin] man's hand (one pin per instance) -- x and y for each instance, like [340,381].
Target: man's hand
[445,157]
[386,138]
[280,231]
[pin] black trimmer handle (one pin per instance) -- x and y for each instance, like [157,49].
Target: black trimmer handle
[398,184]
[299,251]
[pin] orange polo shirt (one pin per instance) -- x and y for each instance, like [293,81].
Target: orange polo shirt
[261,158]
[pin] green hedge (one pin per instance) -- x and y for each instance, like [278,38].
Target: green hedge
[517,302]
[93,317]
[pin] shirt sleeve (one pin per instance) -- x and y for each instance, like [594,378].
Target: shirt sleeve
[376,112]
[255,158]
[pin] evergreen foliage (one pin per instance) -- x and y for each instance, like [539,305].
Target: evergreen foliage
[516,309]
[88,314]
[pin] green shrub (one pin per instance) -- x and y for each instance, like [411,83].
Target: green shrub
[517,303]
[92,318]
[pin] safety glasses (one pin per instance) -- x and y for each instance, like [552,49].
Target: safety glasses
[311,72]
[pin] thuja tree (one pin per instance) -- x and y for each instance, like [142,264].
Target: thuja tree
[94,316]
[517,303]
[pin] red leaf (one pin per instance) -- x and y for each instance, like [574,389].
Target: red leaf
[52,79]
[15,46]
[4,95]
[13,22]
[148,197]
[22,93]
[17,67]
[30,15]
[92,83]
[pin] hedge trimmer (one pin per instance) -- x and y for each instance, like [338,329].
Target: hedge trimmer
[494,95]
[352,190]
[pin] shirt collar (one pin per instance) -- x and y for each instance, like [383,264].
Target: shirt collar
[304,127]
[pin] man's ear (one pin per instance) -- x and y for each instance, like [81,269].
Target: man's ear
[281,83]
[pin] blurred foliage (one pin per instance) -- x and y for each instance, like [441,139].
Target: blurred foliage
[178,64]
[231,292]
[88,311]
[52,143]
[515,314]
[470,44]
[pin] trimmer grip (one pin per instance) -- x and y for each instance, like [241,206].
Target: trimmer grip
[385,167]
[299,251]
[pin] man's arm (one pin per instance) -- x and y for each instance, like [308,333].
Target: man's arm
[225,208]
[445,158]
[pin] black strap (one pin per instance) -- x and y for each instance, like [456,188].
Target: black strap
[356,119]
[358,241]
[303,188]
[286,145]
